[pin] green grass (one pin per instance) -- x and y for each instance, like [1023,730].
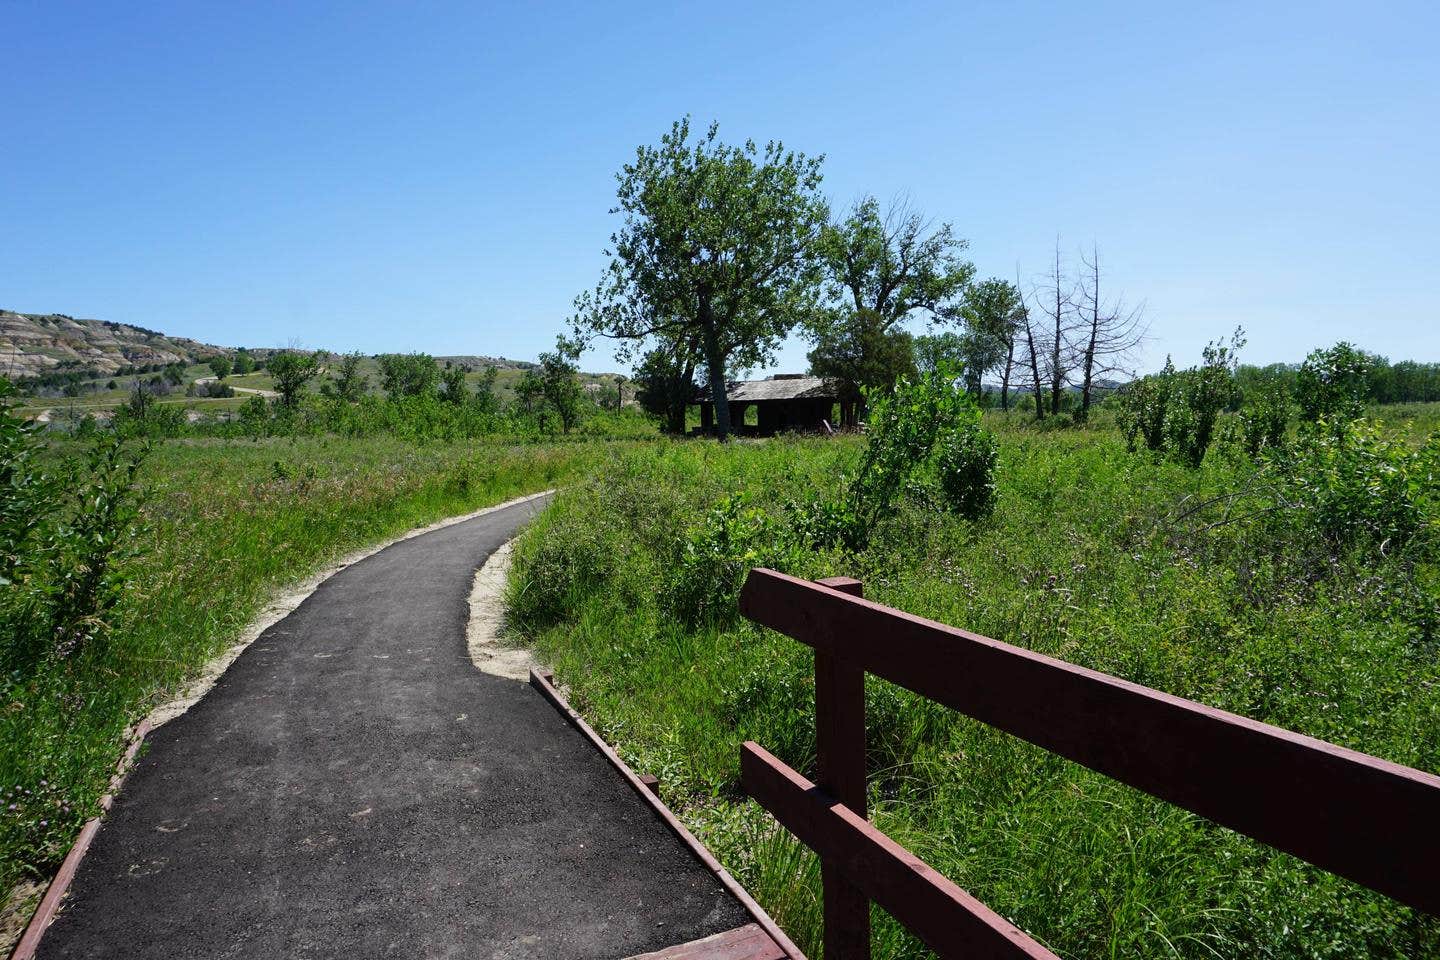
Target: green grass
[1087,558]
[225,525]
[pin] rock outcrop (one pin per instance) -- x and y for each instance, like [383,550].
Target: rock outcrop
[32,344]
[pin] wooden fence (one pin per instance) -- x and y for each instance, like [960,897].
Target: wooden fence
[1372,821]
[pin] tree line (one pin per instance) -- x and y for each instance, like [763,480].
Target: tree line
[1403,381]
[415,395]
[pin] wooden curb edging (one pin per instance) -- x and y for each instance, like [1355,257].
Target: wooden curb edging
[50,903]
[544,682]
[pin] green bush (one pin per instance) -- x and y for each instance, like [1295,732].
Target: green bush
[60,536]
[1264,417]
[1352,485]
[1333,384]
[965,465]
[921,431]
[561,568]
[732,539]
[1176,412]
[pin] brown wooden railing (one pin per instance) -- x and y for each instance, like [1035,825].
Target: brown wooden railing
[1374,822]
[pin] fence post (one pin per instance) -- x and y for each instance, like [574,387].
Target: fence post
[840,756]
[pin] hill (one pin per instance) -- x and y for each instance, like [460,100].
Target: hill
[33,344]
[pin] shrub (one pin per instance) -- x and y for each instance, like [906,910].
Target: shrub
[1351,485]
[559,569]
[732,539]
[1175,412]
[965,466]
[1333,384]
[88,539]
[1264,417]
[25,492]
[917,430]
[58,549]
[143,416]
[1142,407]
[211,388]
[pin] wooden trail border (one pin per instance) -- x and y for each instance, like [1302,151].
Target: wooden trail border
[1369,820]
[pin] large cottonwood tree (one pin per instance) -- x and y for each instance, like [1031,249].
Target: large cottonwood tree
[894,264]
[717,248]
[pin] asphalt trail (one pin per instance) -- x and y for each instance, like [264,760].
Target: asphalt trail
[353,787]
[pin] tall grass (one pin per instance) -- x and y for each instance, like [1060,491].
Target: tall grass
[224,525]
[1090,556]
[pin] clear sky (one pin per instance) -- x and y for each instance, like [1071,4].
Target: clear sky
[424,176]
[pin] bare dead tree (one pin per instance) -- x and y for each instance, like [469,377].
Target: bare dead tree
[1012,333]
[1112,331]
[1055,298]
[1034,355]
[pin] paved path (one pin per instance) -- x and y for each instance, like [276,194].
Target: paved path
[256,391]
[353,787]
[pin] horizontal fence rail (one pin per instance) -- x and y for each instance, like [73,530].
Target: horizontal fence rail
[949,920]
[1369,820]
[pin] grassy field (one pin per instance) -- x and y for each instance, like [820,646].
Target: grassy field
[1093,556]
[225,525]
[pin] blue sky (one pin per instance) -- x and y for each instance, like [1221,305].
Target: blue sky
[424,176]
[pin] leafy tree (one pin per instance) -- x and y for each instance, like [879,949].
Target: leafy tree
[894,264]
[1250,378]
[348,383]
[861,353]
[485,399]
[1333,383]
[935,351]
[291,370]
[452,383]
[174,374]
[244,362]
[530,392]
[408,374]
[559,384]
[665,383]
[990,312]
[716,249]
[220,366]
[1405,381]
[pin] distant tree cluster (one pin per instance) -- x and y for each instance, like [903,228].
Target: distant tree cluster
[1404,381]
[549,394]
